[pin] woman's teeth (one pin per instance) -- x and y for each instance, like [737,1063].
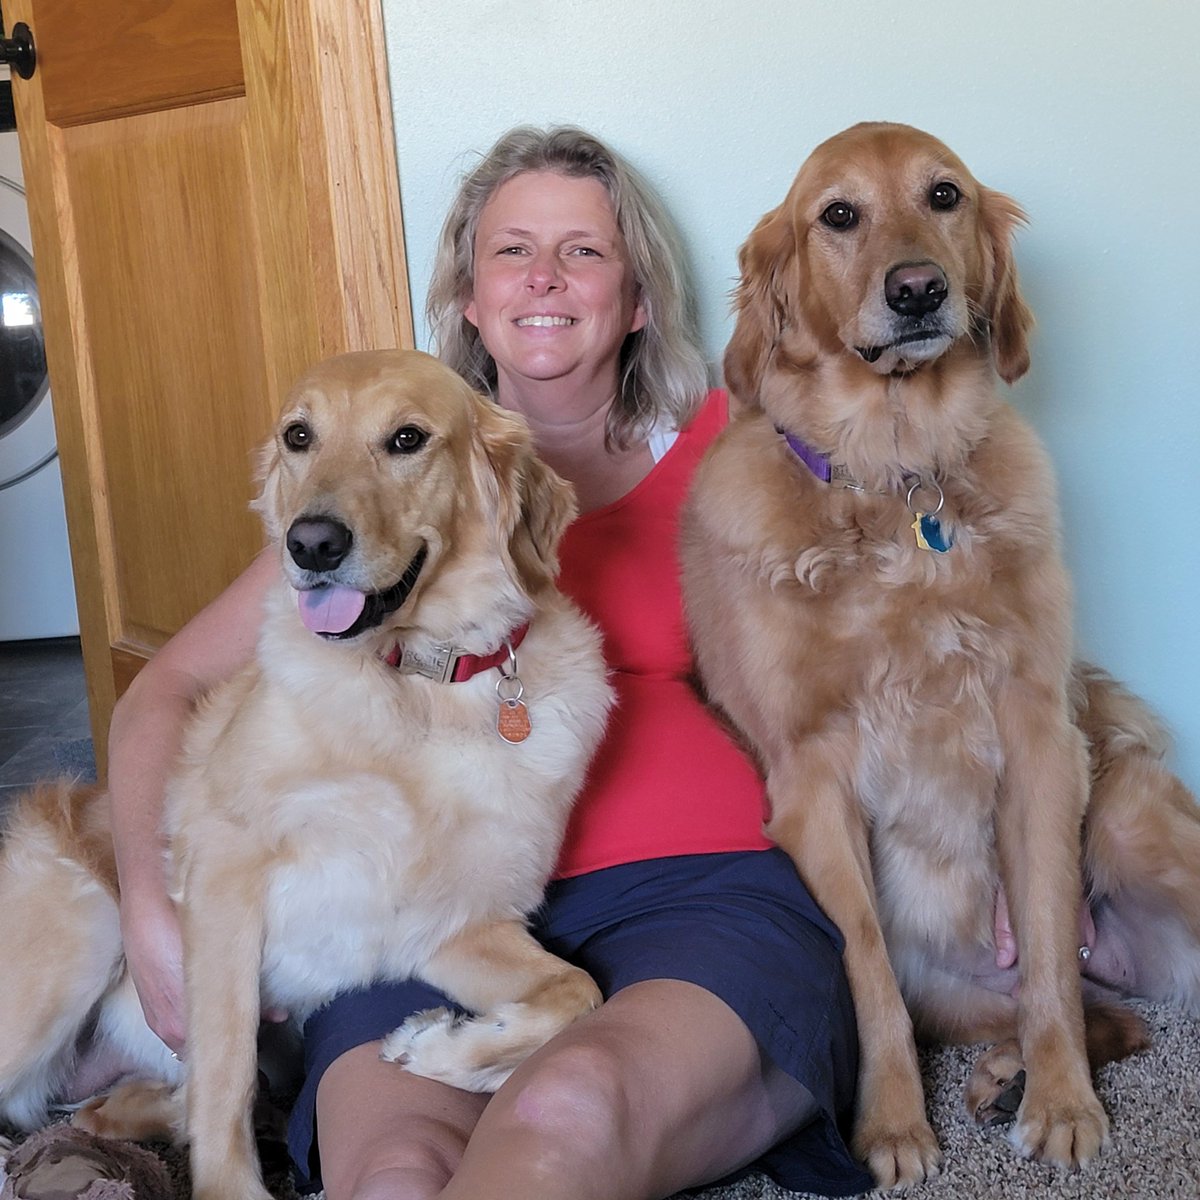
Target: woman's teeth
[545,321]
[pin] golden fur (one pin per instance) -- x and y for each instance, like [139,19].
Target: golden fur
[335,820]
[916,713]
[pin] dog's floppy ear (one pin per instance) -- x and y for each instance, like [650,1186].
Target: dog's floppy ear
[268,502]
[761,301]
[534,505]
[1009,317]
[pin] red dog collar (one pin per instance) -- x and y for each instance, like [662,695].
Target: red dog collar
[447,665]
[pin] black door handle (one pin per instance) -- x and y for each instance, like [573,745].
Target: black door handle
[18,50]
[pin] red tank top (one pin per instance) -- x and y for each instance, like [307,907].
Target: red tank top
[667,778]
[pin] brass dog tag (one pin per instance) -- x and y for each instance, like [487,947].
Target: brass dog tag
[512,719]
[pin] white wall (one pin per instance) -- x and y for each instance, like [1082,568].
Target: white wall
[1086,110]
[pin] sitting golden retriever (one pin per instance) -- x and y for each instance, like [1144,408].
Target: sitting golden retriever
[381,793]
[878,601]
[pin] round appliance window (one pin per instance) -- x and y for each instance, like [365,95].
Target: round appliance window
[23,380]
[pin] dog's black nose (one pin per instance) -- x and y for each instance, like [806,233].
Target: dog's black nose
[914,289]
[318,543]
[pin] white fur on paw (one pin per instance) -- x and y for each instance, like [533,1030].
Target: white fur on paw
[398,1045]
[472,1053]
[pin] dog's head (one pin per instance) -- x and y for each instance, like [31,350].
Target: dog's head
[886,250]
[401,499]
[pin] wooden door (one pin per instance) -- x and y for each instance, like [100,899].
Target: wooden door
[214,207]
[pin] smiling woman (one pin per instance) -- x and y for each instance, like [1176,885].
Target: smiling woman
[661,370]
[555,300]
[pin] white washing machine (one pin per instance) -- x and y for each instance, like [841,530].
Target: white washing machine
[37,595]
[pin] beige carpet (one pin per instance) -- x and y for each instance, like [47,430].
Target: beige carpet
[1153,1103]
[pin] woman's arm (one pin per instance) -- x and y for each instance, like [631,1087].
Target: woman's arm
[144,743]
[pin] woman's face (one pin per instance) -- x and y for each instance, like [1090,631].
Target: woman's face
[554,294]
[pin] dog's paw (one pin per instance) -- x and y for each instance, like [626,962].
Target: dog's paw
[898,1156]
[478,1053]
[399,1045]
[138,1110]
[997,1086]
[465,1052]
[1068,1133]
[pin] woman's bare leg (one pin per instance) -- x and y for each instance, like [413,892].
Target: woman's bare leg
[661,1088]
[385,1134]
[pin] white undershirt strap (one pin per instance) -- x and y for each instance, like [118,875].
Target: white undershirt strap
[660,441]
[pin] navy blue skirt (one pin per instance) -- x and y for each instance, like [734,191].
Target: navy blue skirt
[741,925]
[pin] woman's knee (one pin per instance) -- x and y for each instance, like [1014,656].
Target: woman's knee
[572,1097]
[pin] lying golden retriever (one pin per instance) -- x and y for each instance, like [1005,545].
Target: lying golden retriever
[381,793]
[878,601]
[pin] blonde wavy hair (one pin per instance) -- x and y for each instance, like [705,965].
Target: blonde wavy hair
[663,372]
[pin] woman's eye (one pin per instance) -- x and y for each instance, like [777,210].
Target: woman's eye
[407,440]
[944,196]
[297,436]
[840,215]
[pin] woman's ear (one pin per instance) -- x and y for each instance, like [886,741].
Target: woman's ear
[762,301]
[641,309]
[1009,317]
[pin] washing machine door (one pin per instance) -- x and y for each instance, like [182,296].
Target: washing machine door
[26,421]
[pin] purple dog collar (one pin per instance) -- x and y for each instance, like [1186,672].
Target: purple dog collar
[816,462]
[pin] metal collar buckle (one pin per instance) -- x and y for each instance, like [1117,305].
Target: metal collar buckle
[437,664]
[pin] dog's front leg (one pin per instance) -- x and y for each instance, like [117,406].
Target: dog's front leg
[223,934]
[1042,799]
[523,996]
[818,819]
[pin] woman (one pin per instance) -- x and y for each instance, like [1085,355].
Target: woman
[727,1029]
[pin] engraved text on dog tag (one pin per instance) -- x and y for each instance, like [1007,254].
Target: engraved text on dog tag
[512,721]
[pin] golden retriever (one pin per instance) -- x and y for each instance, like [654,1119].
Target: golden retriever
[381,793]
[877,599]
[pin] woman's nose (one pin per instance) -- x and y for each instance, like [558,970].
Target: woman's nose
[544,274]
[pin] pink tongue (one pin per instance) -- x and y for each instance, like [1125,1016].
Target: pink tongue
[330,609]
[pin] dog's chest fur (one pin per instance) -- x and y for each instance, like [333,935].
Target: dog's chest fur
[905,646]
[383,811]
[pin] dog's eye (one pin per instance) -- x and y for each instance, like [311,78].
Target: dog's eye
[407,440]
[944,196]
[297,436]
[840,215]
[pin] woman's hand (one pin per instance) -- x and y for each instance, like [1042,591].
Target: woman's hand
[154,951]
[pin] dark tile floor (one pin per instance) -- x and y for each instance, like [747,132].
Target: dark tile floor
[43,711]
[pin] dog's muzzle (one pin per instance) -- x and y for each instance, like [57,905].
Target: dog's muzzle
[359,611]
